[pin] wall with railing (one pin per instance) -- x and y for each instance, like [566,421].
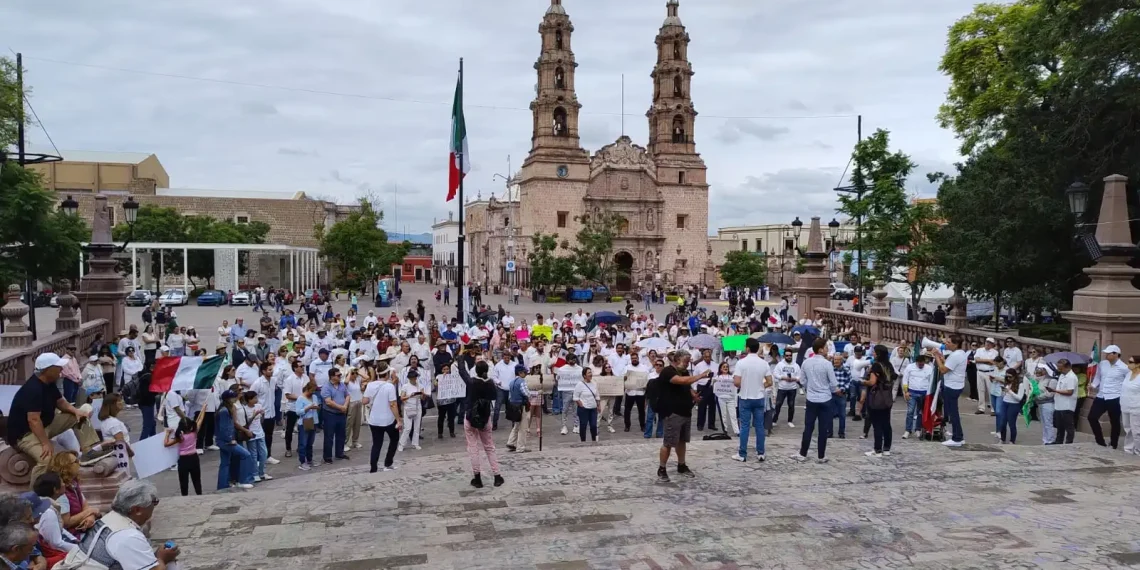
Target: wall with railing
[892,331]
[16,364]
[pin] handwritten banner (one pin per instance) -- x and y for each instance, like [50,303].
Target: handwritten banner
[610,386]
[636,380]
[537,384]
[451,387]
[724,387]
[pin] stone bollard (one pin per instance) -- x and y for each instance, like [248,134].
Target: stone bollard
[16,333]
[68,318]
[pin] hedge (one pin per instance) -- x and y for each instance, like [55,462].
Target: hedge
[616,299]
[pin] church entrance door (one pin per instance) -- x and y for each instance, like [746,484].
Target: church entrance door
[624,262]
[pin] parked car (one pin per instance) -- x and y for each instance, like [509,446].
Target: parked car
[139,298]
[174,297]
[212,298]
[841,292]
[241,298]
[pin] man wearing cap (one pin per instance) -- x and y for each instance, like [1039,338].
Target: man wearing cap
[39,413]
[320,368]
[262,349]
[984,361]
[1108,383]
[518,402]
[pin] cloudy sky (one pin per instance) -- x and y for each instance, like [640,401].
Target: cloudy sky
[339,97]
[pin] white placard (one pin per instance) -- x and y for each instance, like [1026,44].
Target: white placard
[636,380]
[451,387]
[610,386]
[536,384]
[152,457]
[724,387]
[7,394]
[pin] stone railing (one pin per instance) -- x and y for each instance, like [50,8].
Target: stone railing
[16,364]
[892,331]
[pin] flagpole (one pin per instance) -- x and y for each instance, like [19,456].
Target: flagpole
[459,291]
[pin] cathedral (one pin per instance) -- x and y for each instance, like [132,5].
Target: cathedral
[660,190]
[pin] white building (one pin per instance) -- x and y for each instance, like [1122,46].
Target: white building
[445,251]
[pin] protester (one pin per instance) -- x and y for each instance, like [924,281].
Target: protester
[227,431]
[411,394]
[675,403]
[880,399]
[117,540]
[185,436]
[1108,383]
[117,434]
[518,407]
[481,394]
[821,387]
[334,401]
[916,381]
[1013,390]
[753,377]
[953,369]
[586,402]
[1065,403]
[306,408]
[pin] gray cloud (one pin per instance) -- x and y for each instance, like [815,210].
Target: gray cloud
[394,65]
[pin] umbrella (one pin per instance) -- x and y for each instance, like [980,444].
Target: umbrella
[606,317]
[1074,358]
[704,341]
[805,329]
[654,343]
[775,338]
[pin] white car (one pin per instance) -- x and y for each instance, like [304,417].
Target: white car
[174,297]
[241,298]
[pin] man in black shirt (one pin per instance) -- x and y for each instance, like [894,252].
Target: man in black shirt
[33,420]
[676,402]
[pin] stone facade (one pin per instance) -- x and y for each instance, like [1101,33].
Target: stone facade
[660,190]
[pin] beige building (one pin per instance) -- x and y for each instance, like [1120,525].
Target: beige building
[778,242]
[660,189]
[291,215]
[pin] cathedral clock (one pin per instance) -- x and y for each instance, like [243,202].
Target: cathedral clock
[563,171]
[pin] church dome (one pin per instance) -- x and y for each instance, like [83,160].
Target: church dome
[556,8]
[672,19]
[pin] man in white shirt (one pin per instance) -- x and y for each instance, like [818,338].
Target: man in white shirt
[371,319]
[787,375]
[1108,383]
[247,372]
[753,377]
[319,368]
[858,364]
[636,396]
[984,361]
[501,375]
[383,419]
[1013,357]
[568,378]
[1065,403]
[953,368]
[265,389]
[706,407]
[509,321]
[294,382]
[916,380]
[901,360]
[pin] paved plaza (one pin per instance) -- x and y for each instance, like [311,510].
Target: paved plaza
[599,506]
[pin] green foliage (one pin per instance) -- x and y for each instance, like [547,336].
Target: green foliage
[744,269]
[39,241]
[357,247]
[1043,92]
[550,263]
[593,250]
[10,100]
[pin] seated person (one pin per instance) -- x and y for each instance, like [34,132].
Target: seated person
[77,514]
[17,541]
[17,511]
[117,539]
[54,541]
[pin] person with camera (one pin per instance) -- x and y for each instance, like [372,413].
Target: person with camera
[674,401]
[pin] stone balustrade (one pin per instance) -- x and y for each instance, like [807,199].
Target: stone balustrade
[16,364]
[893,331]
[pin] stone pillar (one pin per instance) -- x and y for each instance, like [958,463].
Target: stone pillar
[103,295]
[1107,310]
[813,287]
[879,307]
[67,319]
[957,317]
[16,333]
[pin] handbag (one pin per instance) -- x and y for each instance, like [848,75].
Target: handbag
[309,424]
[239,435]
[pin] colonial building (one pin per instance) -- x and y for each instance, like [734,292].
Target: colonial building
[660,190]
[445,251]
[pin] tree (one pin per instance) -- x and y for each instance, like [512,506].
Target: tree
[160,225]
[10,101]
[358,248]
[38,240]
[593,250]
[548,268]
[897,231]
[1043,92]
[744,269]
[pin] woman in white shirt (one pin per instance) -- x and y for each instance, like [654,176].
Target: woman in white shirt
[727,402]
[132,366]
[150,345]
[586,400]
[177,343]
[1012,393]
[609,402]
[1130,406]
[353,382]
[411,394]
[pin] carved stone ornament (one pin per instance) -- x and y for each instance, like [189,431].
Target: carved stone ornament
[622,153]
[625,183]
[649,225]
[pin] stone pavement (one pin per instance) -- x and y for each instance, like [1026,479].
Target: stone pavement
[599,506]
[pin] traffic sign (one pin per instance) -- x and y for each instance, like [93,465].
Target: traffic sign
[511,266]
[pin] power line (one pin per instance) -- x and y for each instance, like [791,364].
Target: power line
[41,124]
[394,99]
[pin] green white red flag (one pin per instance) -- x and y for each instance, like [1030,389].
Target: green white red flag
[177,373]
[460,162]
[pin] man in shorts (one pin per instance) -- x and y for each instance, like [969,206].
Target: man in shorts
[676,400]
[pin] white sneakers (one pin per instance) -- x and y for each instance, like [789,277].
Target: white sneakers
[564,430]
[800,458]
[417,447]
[905,434]
[575,429]
[610,428]
[213,448]
[273,461]
[357,446]
[887,453]
[199,451]
[399,448]
[873,454]
[244,486]
[952,443]
[267,478]
[791,425]
[737,457]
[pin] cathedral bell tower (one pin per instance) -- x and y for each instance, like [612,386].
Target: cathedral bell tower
[555,107]
[672,116]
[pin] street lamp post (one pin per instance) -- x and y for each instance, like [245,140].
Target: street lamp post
[102,294]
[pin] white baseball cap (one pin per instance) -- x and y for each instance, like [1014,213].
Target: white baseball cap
[1108,349]
[991,340]
[49,359]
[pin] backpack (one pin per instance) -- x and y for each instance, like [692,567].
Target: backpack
[92,552]
[653,395]
[479,413]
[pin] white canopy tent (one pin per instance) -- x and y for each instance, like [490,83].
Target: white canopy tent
[304,262]
[932,296]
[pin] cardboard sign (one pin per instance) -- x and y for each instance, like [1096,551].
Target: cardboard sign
[451,387]
[609,386]
[724,387]
[636,380]
[536,384]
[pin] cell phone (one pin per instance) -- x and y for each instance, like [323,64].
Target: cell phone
[169,545]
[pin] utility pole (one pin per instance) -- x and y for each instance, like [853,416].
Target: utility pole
[459,270]
[21,159]
[860,264]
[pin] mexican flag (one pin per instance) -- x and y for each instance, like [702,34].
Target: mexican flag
[460,160]
[185,373]
[1094,360]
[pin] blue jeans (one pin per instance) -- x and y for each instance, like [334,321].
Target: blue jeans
[503,397]
[751,416]
[652,418]
[838,405]
[914,401]
[853,397]
[1009,414]
[229,453]
[278,393]
[305,439]
[950,411]
[70,389]
[335,425]
[148,425]
[817,416]
[588,418]
[257,449]
[999,412]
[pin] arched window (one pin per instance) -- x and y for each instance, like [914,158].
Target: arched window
[558,39]
[676,50]
[560,122]
[679,129]
[559,78]
[678,85]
